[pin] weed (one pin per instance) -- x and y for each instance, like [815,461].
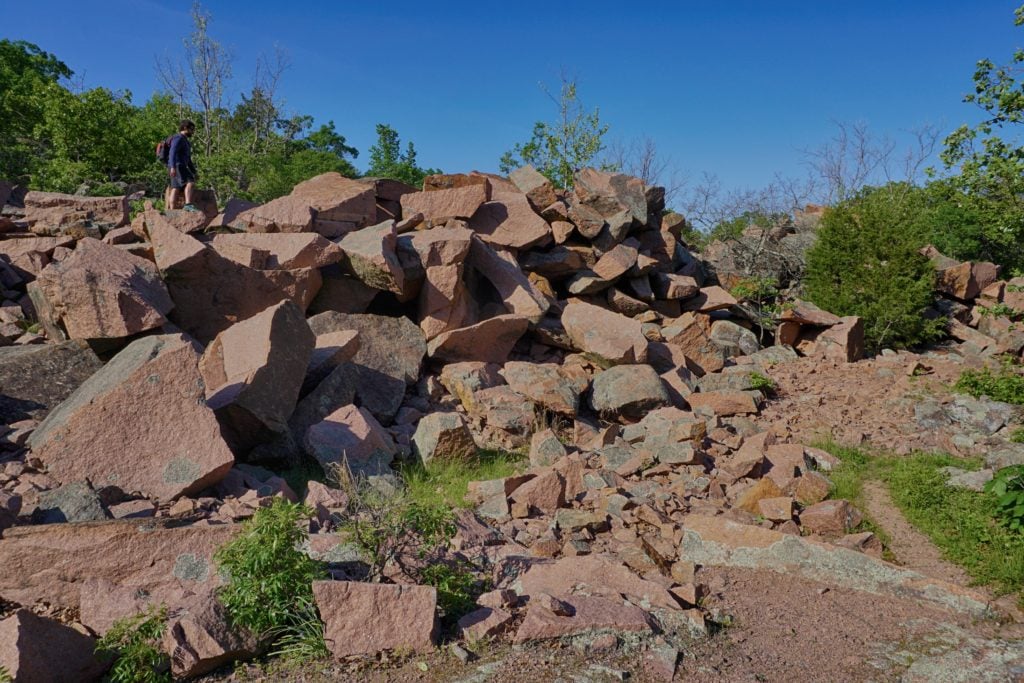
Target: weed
[996,310]
[5,675]
[135,642]
[269,579]
[457,589]
[1008,488]
[1006,384]
[1017,435]
[303,639]
[445,482]
[762,383]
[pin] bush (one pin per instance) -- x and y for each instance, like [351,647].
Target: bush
[1006,385]
[866,263]
[270,579]
[135,642]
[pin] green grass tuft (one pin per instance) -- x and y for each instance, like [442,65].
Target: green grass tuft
[445,482]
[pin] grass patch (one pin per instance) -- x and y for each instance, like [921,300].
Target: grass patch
[1005,385]
[445,482]
[963,524]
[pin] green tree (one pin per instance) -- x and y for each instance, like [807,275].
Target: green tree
[388,161]
[991,166]
[561,147]
[866,263]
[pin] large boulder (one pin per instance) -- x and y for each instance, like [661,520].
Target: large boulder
[139,424]
[445,303]
[535,186]
[390,355]
[440,206]
[611,194]
[284,214]
[47,212]
[339,199]
[40,650]
[546,384]
[518,294]
[286,251]
[370,255]
[35,379]
[351,436]
[29,255]
[607,337]
[254,370]
[200,637]
[629,391]
[100,292]
[211,292]
[366,618]
[489,341]
[443,436]
[59,563]
[508,220]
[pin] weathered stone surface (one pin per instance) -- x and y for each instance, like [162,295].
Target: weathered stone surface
[546,449]
[284,214]
[370,255]
[463,379]
[691,334]
[715,541]
[545,493]
[489,341]
[52,562]
[546,384]
[366,618]
[331,349]
[486,622]
[584,614]
[95,434]
[628,390]
[611,193]
[46,206]
[390,355]
[710,299]
[518,294]
[806,313]
[597,575]
[336,198]
[830,517]
[40,650]
[440,206]
[608,337]
[211,292]
[74,502]
[351,435]
[844,341]
[614,264]
[508,220]
[341,293]
[35,379]
[254,370]
[100,292]
[535,186]
[282,251]
[444,301]
[672,286]
[29,255]
[443,436]
[732,339]
[200,637]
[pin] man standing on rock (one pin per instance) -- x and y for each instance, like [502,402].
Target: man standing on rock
[180,166]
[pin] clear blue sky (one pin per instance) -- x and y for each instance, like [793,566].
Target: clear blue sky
[737,88]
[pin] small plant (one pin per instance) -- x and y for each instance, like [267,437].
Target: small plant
[457,588]
[135,642]
[270,579]
[1008,486]
[303,639]
[1006,385]
[996,310]
[762,383]
[1017,436]
[761,295]
[5,675]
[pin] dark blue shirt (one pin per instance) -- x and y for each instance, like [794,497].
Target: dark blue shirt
[181,152]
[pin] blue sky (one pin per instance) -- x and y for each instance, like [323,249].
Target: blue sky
[735,88]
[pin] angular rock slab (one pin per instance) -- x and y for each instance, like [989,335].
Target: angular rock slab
[546,384]
[351,435]
[370,255]
[200,637]
[581,615]
[41,650]
[284,251]
[508,220]
[489,341]
[629,390]
[366,618]
[35,379]
[140,424]
[100,292]
[211,292]
[518,294]
[54,562]
[443,436]
[715,541]
[254,370]
[608,337]
[336,198]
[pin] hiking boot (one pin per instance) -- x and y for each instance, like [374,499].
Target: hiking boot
[190,207]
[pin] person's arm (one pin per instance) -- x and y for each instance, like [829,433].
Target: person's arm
[173,155]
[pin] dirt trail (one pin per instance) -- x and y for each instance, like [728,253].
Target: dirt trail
[911,548]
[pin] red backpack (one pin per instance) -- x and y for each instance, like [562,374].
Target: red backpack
[163,150]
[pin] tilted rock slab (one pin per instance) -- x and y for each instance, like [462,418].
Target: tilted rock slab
[366,618]
[714,541]
[200,637]
[139,424]
[100,292]
[36,378]
[284,251]
[607,337]
[55,562]
[41,650]
[254,370]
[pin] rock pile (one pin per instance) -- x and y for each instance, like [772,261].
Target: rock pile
[363,323]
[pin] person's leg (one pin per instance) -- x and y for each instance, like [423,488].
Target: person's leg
[172,198]
[190,193]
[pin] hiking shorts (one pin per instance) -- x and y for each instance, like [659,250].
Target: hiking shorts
[183,177]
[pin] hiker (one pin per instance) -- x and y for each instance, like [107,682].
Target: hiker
[180,167]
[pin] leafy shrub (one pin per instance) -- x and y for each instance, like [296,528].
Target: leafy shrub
[135,642]
[762,383]
[1008,486]
[269,578]
[1006,385]
[866,263]
[457,588]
